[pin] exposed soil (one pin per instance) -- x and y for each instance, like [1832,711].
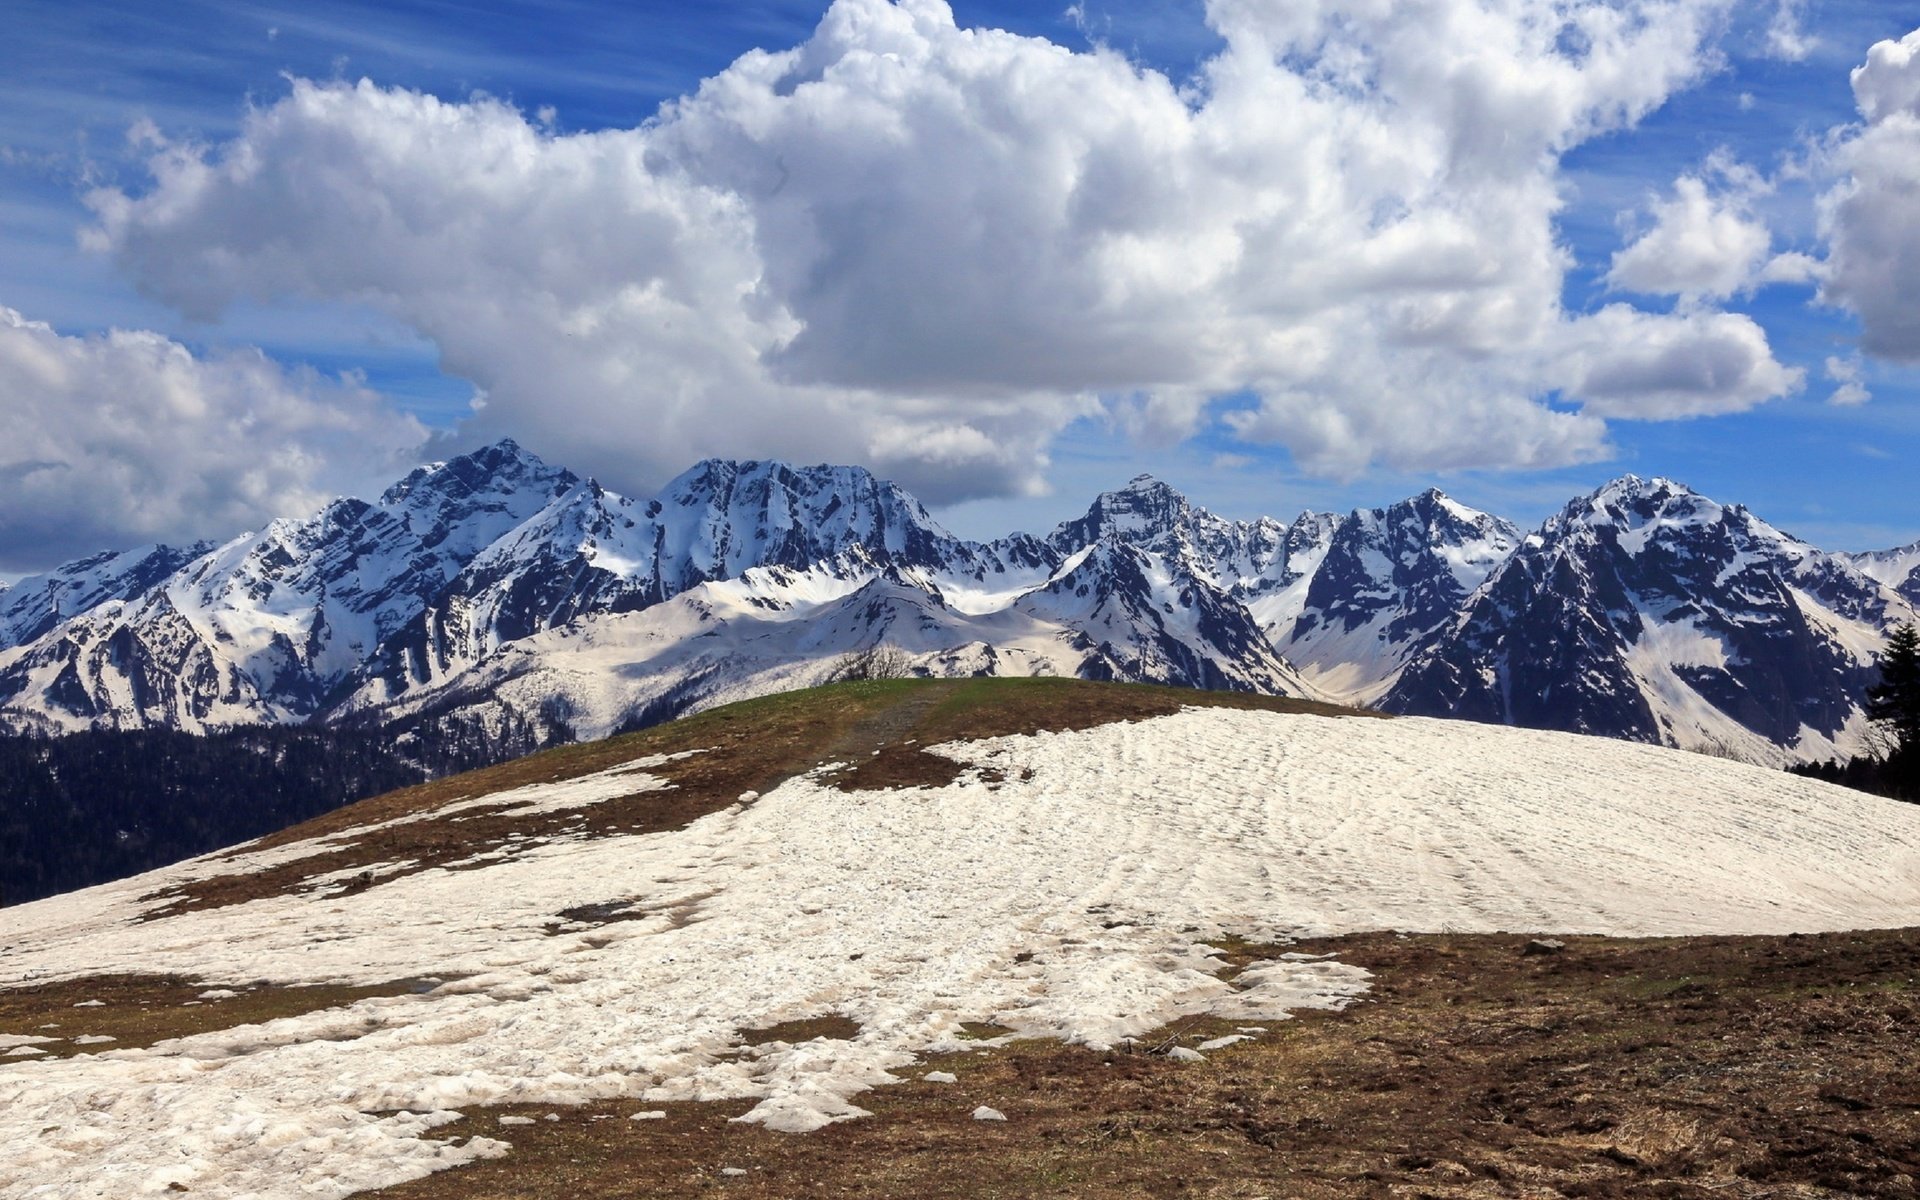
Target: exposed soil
[748,747]
[137,1011]
[1696,1068]
[833,1029]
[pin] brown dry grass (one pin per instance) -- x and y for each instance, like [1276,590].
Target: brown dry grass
[1697,1068]
[138,1011]
[833,1029]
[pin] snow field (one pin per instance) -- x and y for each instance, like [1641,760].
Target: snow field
[1111,857]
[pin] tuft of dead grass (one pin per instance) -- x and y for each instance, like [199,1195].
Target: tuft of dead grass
[138,1011]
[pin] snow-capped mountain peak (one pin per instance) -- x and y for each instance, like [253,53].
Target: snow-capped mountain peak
[482,588]
[1648,610]
[1146,512]
[1899,569]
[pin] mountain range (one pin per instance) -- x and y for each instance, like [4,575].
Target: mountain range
[496,591]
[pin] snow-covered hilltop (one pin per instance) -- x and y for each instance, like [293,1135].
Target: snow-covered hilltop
[495,589]
[561,942]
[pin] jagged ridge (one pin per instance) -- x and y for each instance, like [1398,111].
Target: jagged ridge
[502,589]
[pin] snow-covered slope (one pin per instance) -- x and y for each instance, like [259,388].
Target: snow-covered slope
[1650,612]
[1898,569]
[268,626]
[1344,599]
[592,551]
[1073,886]
[1386,582]
[372,611]
[1111,612]
[35,605]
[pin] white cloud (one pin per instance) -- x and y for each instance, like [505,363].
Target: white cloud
[1852,392]
[1702,243]
[1626,363]
[128,437]
[1873,261]
[1706,242]
[1787,39]
[932,248]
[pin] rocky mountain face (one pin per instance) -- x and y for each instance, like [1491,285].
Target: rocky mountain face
[1650,612]
[502,592]
[37,605]
[269,626]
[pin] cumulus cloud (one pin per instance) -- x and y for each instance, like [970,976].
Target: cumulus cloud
[1702,243]
[931,248]
[1873,260]
[1626,363]
[128,437]
[1706,242]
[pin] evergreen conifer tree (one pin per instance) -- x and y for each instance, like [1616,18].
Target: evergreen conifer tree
[1894,702]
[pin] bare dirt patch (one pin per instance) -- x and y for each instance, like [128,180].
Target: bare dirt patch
[137,1011]
[834,1028]
[1686,1068]
[748,747]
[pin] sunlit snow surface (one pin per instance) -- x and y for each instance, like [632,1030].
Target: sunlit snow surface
[1112,864]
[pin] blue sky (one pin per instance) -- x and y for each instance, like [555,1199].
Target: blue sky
[75,78]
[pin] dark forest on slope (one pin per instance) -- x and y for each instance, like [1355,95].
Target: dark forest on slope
[92,807]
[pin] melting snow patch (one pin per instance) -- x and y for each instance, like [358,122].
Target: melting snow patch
[1221,1043]
[10,1040]
[983,1113]
[941,1077]
[218,994]
[94,1039]
[24,1052]
[1108,856]
[91,1004]
[511,1120]
[651,1115]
